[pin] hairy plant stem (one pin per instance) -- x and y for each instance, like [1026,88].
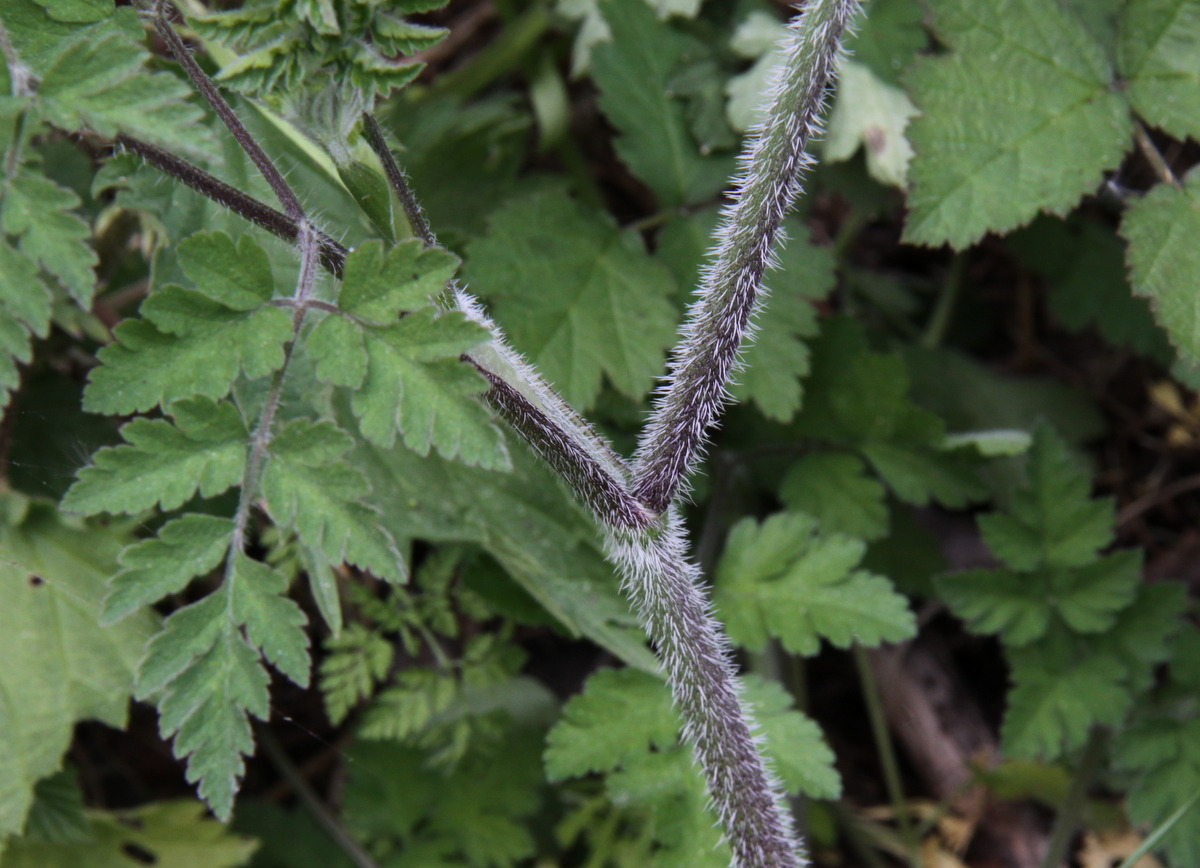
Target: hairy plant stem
[261,438]
[887,755]
[728,295]
[332,254]
[664,585]
[204,84]
[399,181]
[1067,819]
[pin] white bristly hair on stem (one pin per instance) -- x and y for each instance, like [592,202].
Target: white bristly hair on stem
[665,586]
[729,291]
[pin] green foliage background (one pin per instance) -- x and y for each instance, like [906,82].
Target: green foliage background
[383,543]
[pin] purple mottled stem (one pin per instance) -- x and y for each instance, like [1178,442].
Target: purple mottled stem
[718,321]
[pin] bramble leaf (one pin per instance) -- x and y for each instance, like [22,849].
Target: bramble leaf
[174,834]
[309,488]
[577,296]
[163,463]
[785,579]
[1163,265]
[1157,54]
[633,72]
[992,163]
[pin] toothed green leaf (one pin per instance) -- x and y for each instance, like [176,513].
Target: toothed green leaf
[274,624]
[60,667]
[835,489]
[1163,265]
[987,163]
[186,547]
[1157,54]
[377,284]
[164,464]
[785,579]
[38,213]
[578,297]
[309,488]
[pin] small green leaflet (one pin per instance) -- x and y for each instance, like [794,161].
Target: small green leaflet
[310,488]
[873,114]
[176,834]
[407,374]
[211,676]
[1065,683]
[37,212]
[1164,752]
[786,579]
[60,667]
[991,164]
[186,547]
[834,488]
[195,341]
[1050,540]
[281,49]
[580,298]
[625,726]
[100,83]
[859,398]
[1163,265]
[164,464]
[1157,51]
[633,72]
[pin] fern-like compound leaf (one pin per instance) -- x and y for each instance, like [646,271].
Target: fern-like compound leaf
[309,488]
[358,660]
[607,312]
[784,578]
[164,464]
[623,725]
[36,212]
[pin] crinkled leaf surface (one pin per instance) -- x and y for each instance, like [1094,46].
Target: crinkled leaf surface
[1019,116]
[1157,52]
